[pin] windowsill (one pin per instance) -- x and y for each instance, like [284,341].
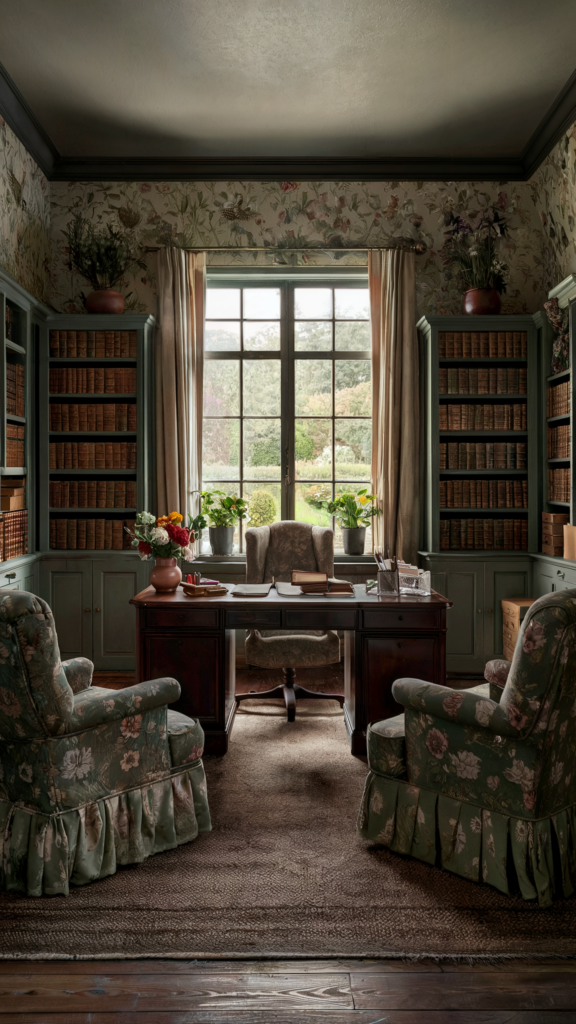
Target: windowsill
[339,559]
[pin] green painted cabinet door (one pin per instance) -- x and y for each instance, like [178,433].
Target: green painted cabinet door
[502,578]
[66,584]
[462,583]
[114,619]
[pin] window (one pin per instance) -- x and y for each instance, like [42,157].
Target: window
[287,394]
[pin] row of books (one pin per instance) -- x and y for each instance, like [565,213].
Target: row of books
[13,534]
[553,524]
[483,417]
[484,534]
[483,494]
[10,321]
[93,344]
[482,344]
[483,455]
[93,416]
[92,380]
[92,455]
[461,380]
[15,439]
[559,484]
[559,442]
[15,393]
[92,494]
[90,534]
[558,400]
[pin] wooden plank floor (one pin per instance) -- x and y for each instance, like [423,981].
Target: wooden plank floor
[286,992]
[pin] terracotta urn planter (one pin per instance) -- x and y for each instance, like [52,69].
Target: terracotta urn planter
[165,575]
[105,301]
[481,301]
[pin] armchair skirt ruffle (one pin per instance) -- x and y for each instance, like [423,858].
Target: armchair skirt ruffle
[45,854]
[510,853]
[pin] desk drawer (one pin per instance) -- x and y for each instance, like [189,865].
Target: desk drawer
[319,619]
[253,618]
[182,618]
[386,618]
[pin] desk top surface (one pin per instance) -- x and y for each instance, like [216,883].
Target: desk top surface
[149,598]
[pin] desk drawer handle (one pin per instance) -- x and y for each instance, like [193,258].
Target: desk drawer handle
[399,645]
[400,618]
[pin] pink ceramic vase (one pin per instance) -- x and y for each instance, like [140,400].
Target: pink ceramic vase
[105,300]
[165,575]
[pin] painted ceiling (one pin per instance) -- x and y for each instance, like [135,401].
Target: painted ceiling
[305,78]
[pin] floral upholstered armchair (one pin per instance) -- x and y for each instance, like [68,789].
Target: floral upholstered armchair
[483,781]
[89,778]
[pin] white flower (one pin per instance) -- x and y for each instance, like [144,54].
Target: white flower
[484,711]
[520,774]
[77,763]
[188,554]
[466,763]
[159,536]
[145,519]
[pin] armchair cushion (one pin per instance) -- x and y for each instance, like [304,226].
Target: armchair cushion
[78,672]
[186,738]
[273,551]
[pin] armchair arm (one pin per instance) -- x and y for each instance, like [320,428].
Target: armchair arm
[78,672]
[496,673]
[95,707]
[453,706]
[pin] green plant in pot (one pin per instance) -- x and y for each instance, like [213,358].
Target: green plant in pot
[101,256]
[471,251]
[353,511]
[221,512]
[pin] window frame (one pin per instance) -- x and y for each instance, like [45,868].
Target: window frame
[286,281]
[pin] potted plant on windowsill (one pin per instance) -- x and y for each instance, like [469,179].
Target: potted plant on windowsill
[222,512]
[101,257]
[353,511]
[471,250]
[165,540]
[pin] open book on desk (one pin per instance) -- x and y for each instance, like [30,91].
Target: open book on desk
[251,590]
[327,588]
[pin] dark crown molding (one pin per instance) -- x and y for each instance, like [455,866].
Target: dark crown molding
[18,115]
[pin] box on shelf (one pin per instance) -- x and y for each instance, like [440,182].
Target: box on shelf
[513,611]
[553,533]
[569,536]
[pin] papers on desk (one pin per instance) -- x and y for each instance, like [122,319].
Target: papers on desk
[251,590]
[337,588]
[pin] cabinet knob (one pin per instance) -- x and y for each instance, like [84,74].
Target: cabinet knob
[96,609]
[490,611]
[479,610]
[87,609]
[400,618]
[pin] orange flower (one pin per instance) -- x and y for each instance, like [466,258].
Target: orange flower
[175,517]
[162,520]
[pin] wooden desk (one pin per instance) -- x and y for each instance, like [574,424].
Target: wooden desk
[385,638]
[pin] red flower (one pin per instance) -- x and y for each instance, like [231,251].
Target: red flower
[144,548]
[178,534]
[289,186]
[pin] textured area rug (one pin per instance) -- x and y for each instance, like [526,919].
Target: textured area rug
[283,873]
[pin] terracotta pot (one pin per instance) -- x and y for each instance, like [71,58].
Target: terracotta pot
[165,575]
[105,301]
[481,301]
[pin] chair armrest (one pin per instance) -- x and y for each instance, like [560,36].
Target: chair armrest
[95,707]
[459,706]
[78,672]
[496,673]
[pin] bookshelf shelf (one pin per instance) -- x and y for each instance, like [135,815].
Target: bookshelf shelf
[566,458]
[12,346]
[13,471]
[564,504]
[557,419]
[485,381]
[15,419]
[557,377]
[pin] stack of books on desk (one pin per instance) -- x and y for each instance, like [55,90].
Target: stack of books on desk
[320,583]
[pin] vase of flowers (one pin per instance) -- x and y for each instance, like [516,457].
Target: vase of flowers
[471,251]
[353,511]
[220,512]
[165,540]
[101,257]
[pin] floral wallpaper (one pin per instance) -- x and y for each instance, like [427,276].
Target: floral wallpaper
[553,188]
[301,223]
[24,216]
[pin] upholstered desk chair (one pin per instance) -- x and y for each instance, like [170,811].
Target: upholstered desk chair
[483,781]
[271,554]
[89,778]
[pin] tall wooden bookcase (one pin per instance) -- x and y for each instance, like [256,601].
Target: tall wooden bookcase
[476,578]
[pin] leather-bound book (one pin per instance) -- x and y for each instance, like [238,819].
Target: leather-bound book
[55,343]
[133,345]
[81,344]
[117,535]
[61,534]
[73,416]
[109,493]
[100,538]
[82,416]
[109,344]
[111,456]
[132,418]
[99,416]
[64,494]
[100,453]
[90,534]
[92,487]
[100,344]
[107,534]
[122,416]
[484,344]
[131,493]
[109,381]
[52,533]
[83,460]
[91,344]
[81,535]
[71,345]
[120,494]
[71,538]
[68,455]
[65,411]
[101,494]
[493,344]
[51,455]
[108,417]
[83,494]
[124,344]
[99,381]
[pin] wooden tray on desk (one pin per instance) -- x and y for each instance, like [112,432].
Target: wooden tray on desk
[203,590]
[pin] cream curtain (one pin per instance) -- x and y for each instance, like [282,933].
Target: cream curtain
[179,379]
[395,402]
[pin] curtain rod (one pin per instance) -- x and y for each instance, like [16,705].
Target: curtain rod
[405,244]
